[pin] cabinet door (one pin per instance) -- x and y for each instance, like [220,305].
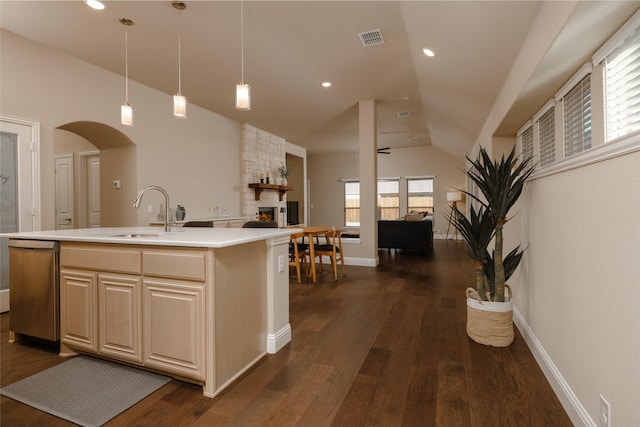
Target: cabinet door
[119,324]
[78,309]
[174,326]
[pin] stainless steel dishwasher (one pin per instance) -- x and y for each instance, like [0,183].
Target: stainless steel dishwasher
[34,305]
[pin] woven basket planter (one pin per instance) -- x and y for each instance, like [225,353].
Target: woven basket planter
[490,322]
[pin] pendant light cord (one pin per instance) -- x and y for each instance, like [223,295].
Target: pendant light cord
[241,42]
[179,57]
[126,67]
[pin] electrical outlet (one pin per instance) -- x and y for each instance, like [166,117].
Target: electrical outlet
[605,412]
[149,208]
[280,263]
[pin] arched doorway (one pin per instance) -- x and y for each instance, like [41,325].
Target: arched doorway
[77,145]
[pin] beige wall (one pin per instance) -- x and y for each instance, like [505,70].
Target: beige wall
[578,285]
[326,172]
[576,290]
[189,158]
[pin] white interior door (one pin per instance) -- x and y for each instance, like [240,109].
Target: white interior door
[19,188]
[64,192]
[92,180]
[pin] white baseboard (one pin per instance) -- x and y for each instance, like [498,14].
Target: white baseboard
[361,262]
[4,300]
[278,340]
[570,402]
[449,237]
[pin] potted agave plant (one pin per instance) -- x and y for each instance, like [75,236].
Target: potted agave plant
[500,184]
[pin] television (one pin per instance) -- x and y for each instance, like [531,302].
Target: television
[292,213]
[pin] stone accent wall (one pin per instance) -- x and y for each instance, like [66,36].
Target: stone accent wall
[261,153]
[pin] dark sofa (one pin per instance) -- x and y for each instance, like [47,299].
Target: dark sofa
[411,235]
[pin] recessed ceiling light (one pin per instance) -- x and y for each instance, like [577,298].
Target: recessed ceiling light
[326,84]
[428,52]
[95,4]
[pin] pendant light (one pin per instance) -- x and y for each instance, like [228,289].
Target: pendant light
[243,90]
[126,111]
[179,101]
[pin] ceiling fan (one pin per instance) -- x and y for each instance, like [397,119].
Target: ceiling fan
[384,150]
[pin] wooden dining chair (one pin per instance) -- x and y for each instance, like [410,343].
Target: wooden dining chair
[298,252]
[332,249]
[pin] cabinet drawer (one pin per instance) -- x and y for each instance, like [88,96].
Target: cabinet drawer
[188,265]
[116,259]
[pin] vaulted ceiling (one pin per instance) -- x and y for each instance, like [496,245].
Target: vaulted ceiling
[291,47]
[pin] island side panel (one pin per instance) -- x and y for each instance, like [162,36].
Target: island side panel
[240,287]
[278,327]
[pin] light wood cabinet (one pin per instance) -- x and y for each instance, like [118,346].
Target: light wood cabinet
[119,317]
[79,310]
[174,327]
[174,310]
[140,305]
[231,223]
[199,314]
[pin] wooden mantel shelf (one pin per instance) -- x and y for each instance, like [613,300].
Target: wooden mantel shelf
[259,188]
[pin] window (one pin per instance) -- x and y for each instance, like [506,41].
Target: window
[622,87]
[419,199]
[419,195]
[388,199]
[546,131]
[526,142]
[577,118]
[352,203]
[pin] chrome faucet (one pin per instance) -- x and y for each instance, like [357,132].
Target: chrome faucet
[136,203]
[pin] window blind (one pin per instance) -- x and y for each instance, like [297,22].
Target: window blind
[577,118]
[546,129]
[622,86]
[526,140]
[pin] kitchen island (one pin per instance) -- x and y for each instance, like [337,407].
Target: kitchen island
[199,304]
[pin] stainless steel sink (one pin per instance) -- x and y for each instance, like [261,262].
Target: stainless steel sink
[136,235]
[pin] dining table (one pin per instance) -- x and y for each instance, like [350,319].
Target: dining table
[311,232]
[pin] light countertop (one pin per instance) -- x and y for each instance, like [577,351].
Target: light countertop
[202,237]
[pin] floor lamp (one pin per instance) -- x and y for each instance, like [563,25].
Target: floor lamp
[454,197]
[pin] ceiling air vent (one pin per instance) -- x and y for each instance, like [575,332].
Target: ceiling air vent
[371,38]
[403,114]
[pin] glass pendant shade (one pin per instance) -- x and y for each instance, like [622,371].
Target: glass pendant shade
[179,106]
[243,97]
[126,114]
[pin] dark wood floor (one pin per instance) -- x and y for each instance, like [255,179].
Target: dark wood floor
[384,346]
